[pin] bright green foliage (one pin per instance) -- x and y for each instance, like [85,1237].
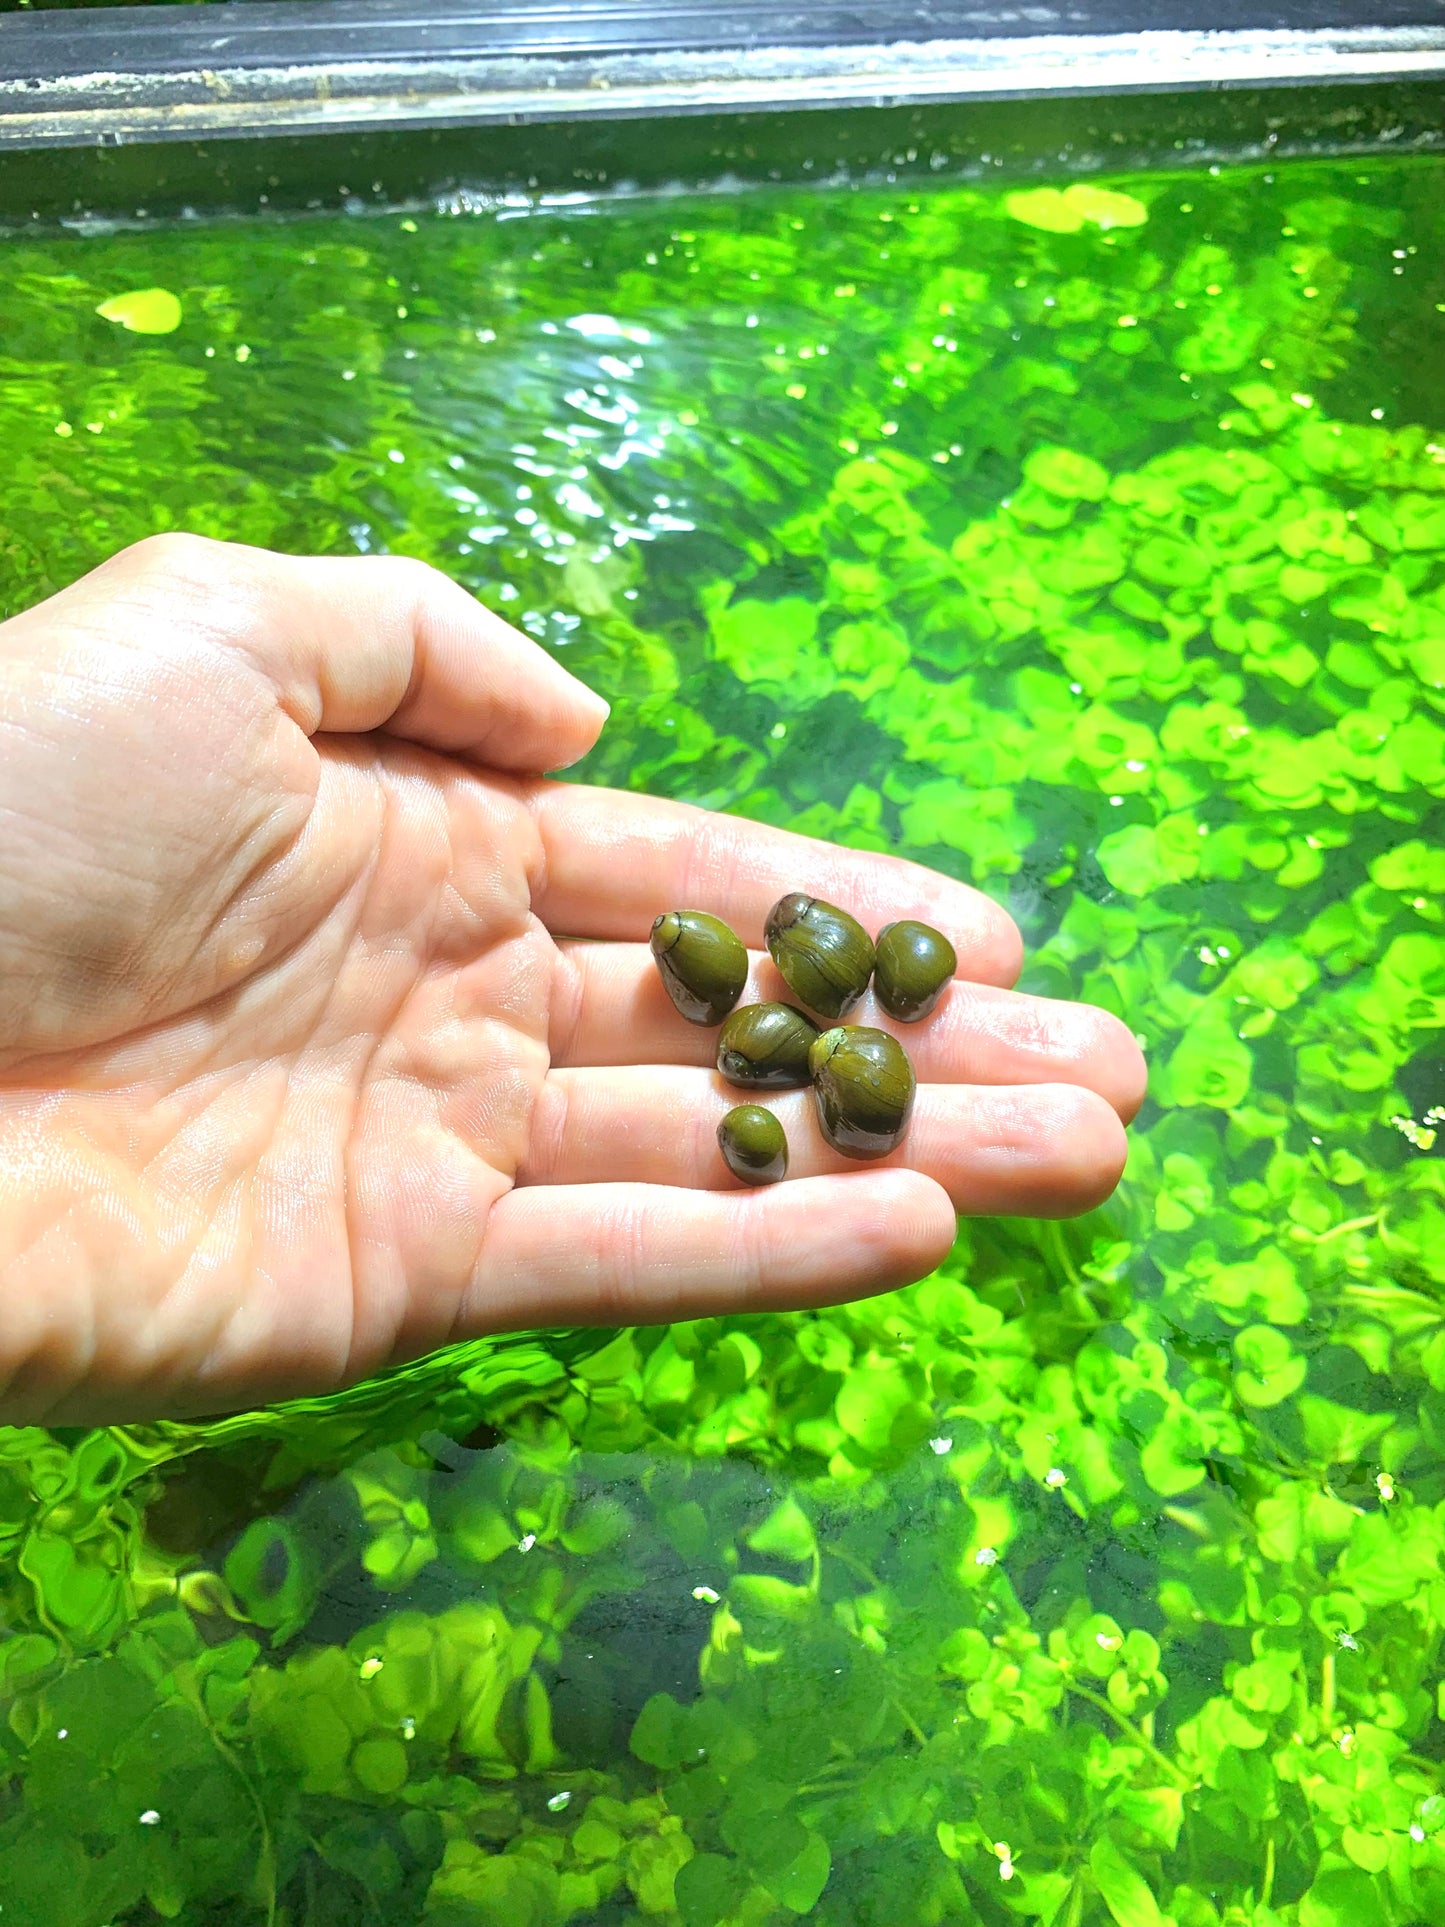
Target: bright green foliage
[145,311]
[1052,537]
[1065,212]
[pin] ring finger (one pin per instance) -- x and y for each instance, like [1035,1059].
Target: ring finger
[1039,1150]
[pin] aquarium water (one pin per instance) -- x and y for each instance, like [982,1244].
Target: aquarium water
[1082,539]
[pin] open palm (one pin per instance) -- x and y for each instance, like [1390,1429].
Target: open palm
[329,1031]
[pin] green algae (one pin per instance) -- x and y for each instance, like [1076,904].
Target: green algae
[1098,1579]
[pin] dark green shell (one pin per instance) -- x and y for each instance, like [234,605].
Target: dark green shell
[753,1144]
[765,1047]
[914,962]
[825,956]
[863,1087]
[703,963]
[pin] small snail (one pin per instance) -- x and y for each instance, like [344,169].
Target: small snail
[825,956]
[914,963]
[702,962]
[765,1046]
[863,1087]
[753,1145]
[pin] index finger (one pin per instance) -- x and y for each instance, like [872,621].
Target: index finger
[616,860]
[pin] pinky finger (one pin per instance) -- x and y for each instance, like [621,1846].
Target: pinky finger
[637,1254]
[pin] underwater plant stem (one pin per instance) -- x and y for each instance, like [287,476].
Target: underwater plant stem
[1327,1688]
[1060,1249]
[1128,1726]
[852,1562]
[908,1720]
[1268,1888]
[1074,1917]
[1339,1230]
[829,1788]
[266,1860]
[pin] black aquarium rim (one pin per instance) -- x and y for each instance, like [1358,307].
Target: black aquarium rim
[531,167]
[115,76]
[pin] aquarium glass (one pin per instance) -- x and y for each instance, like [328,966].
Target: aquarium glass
[1085,540]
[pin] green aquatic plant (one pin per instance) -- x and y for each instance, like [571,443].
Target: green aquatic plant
[144,311]
[1097,1581]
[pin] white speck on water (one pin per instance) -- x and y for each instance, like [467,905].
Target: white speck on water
[985,1556]
[63,1734]
[706,1594]
[408,1728]
[940,1446]
[150,1818]
[526,1542]
[1417,1833]
[1055,1478]
[1111,1642]
[558,1802]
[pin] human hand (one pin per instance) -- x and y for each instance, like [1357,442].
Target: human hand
[300,1073]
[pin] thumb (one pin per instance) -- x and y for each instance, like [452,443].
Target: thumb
[358,643]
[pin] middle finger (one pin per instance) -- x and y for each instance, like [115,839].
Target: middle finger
[610,1007]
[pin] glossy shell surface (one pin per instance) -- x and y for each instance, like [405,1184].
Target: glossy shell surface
[825,956]
[753,1145]
[914,964]
[863,1087]
[703,963]
[765,1047]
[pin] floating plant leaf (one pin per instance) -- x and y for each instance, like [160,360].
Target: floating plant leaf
[144,311]
[1065,212]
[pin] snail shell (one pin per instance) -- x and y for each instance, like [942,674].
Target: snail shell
[703,963]
[914,963]
[825,956]
[753,1144]
[765,1047]
[863,1087]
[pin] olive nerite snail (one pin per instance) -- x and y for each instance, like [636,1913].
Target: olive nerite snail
[863,1082]
[766,1046]
[702,962]
[863,1088]
[824,955]
[753,1145]
[912,967]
